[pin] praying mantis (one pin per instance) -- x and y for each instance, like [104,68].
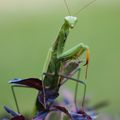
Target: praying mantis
[59,66]
[56,67]
[62,65]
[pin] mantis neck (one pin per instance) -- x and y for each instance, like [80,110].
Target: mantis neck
[59,44]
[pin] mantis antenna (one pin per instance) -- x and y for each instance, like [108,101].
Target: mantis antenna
[84,7]
[66,4]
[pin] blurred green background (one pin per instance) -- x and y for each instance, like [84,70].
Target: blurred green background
[27,29]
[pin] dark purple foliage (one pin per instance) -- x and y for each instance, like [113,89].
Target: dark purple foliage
[43,114]
[76,116]
[10,111]
[15,116]
[29,82]
[64,110]
[20,117]
[45,97]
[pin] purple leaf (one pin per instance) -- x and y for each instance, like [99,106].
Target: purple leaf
[10,111]
[20,117]
[63,109]
[29,82]
[15,115]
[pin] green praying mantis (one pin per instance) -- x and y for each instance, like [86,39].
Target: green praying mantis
[55,68]
[61,66]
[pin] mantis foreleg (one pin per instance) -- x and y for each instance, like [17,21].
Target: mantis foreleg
[73,53]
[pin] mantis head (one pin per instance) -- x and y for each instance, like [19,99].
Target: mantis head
[70,21]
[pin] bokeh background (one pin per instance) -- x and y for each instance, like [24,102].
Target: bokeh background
[27,29]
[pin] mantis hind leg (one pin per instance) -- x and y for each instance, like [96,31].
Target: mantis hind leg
[76,88]
[14,96]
